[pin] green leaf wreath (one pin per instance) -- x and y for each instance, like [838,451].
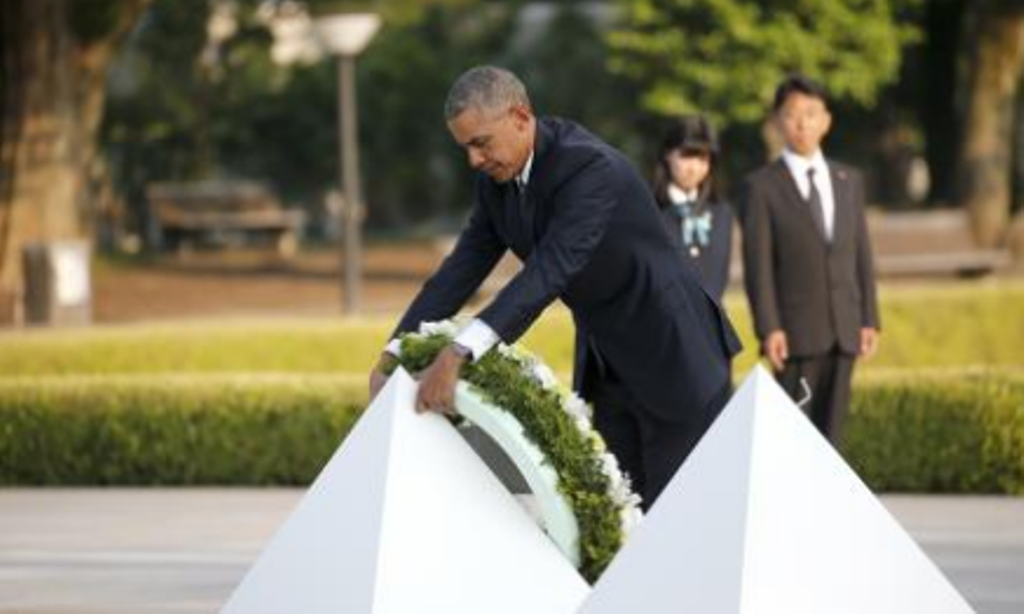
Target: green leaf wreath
[558,422]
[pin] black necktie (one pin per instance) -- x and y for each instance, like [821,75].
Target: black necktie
[814,202]
[525,211]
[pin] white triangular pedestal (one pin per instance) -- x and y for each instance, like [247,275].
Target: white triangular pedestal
[406,519]
[766,518]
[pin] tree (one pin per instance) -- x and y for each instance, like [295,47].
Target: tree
[995,58]
[568,50]
[174,119]
[725,57]
[414,171]
[54,58]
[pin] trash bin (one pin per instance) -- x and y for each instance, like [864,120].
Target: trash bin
[58,288]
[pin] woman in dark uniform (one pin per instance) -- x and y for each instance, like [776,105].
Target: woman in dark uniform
[700,223]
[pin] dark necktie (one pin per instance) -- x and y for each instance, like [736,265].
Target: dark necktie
[525,211]
[814,202]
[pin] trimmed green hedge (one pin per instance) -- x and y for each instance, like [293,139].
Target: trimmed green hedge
[171,431]
[955,433]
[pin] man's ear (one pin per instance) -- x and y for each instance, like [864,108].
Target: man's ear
[521,115]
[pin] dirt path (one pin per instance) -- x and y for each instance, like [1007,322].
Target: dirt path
[215,284]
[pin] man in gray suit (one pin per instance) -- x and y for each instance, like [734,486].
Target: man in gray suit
[807,261]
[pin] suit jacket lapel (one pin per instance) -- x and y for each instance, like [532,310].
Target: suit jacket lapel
[842,215]
[533,209]
[522,213]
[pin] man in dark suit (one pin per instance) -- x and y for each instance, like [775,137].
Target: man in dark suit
[807,261]
[585,225]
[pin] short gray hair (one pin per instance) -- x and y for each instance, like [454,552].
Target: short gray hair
[487,88]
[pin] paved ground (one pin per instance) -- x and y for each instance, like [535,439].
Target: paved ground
[88,551]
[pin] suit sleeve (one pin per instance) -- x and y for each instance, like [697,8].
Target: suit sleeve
[583,207]
[758,270]
[866,267]
[476,252]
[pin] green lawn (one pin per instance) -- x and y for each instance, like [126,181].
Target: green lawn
[950,326]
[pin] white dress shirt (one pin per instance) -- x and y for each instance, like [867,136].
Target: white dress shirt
[477,336]
[798,167]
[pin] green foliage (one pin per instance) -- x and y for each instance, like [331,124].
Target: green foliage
[414,170]
[949,434]
[569,51]
[152,431]
[571,454]
[97,19]
[177,114]
[155,125]
[725,57]
[912,433]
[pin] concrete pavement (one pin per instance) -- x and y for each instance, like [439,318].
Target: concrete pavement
[149,551]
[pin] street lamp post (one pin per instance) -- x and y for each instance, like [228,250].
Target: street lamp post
[345,36]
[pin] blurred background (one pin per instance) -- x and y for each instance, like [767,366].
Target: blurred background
[172,136]
[212,213]
[225,204]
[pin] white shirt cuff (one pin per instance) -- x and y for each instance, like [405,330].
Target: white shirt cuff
[478,337]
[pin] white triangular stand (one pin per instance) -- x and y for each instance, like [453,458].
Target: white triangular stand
[766,518]
[407,519]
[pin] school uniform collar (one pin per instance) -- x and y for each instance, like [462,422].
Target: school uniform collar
[678,195]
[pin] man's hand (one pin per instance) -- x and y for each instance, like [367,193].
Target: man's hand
[378,377]
[868,342]
[776,349]
[437,385]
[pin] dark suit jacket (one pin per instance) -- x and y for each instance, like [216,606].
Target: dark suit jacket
[821,294]
[590,235]
[712,261]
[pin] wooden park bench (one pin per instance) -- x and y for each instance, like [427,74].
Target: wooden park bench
[927,243]
[221,213]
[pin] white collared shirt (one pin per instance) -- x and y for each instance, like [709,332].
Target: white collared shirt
[798,166]
[678,195]
[523,178]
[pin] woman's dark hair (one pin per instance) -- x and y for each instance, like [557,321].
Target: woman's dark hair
[689,135]
[798,84]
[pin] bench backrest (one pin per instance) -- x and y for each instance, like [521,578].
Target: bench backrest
[236,196]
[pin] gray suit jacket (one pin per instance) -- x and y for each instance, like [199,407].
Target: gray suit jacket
[820,293]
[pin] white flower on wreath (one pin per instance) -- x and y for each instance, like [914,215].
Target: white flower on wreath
[578,409]
[544,376]
[516,354]
[620,490]
[610,466]
[630,517]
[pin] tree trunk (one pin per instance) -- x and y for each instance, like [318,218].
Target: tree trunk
[986,166]
[54,55]
[937,104]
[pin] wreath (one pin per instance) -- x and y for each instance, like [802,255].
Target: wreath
[559,423]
